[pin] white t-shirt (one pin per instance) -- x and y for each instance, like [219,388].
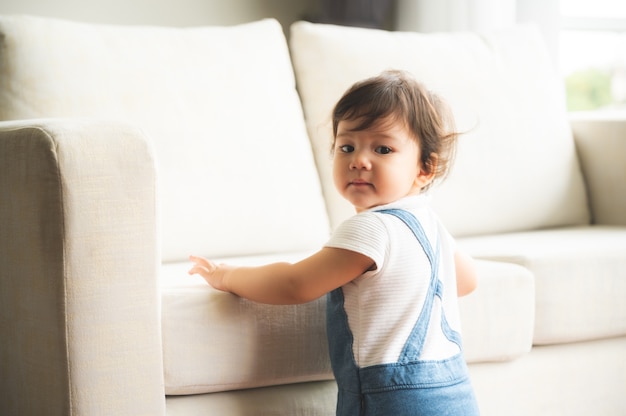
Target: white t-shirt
[383,305]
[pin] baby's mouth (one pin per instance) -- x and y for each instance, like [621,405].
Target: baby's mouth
[359,182]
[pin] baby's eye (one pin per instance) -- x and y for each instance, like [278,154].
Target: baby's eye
[346,148]
[383,150]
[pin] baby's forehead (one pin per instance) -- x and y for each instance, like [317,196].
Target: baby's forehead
[380,125]
[373,121]
[391,132]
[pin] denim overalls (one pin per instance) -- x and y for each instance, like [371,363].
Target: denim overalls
[409,386]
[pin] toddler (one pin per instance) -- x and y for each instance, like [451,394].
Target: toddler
[392,272]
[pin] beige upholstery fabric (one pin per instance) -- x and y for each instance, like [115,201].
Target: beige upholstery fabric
[215,341]
[569,379]
[601,145]
[516,167]
[498,317]
[579,277]
[303,399]
[78,249]
[219,104]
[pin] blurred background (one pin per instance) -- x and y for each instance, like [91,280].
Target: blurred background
[586,38]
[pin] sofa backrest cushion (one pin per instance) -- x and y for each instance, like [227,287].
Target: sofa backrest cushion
[516,167]
[235,168]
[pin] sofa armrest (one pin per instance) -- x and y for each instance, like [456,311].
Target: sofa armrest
[79,304]
[601,145]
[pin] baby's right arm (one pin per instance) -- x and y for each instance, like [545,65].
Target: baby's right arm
[286,283]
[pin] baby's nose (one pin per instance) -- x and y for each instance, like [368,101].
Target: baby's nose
[360,161]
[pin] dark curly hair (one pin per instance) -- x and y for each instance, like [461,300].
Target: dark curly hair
[398,95]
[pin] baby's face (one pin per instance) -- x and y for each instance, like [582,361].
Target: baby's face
[378,165]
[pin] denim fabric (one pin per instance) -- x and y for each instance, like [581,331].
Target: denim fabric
[411,386]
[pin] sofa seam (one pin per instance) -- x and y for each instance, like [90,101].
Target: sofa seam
[59,177]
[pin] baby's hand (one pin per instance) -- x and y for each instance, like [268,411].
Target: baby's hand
[210,271]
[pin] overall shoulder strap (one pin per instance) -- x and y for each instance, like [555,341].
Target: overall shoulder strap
[415,343]
[416,227]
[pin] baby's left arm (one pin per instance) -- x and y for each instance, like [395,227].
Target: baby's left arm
[466,276]
[286,283]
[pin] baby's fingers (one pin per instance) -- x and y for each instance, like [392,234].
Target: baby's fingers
[200,261]
[198,270]
[201,266]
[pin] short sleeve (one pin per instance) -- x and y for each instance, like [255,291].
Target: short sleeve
[363,233]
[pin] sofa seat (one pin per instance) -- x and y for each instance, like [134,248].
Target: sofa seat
[580,278]
[318,398]
[573,379]
[216,342]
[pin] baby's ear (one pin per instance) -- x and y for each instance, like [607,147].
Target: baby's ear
[424,179]
[427,171]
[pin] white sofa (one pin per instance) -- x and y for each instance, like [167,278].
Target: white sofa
[124,149]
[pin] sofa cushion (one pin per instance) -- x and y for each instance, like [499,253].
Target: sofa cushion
[498,317]
[516,166]
[312,399]
[577,379]
[580,278]
[215,341]
[219,104]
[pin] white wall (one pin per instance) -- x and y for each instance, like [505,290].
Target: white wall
[544,13]
[414,15]
[164,12]
[480,15]
[454,15]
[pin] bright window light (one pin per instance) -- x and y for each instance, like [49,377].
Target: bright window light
[593,9]
[592,53]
